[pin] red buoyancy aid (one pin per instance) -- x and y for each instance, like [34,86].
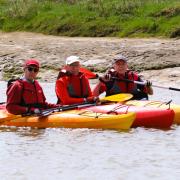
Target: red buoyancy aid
[77,86]
[119,86]
[33,93]
[28,94]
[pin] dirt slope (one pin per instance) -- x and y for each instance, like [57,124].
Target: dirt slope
[96,53]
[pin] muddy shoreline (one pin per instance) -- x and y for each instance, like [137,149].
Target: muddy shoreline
[157,59]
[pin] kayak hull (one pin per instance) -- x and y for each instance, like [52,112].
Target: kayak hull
[159,105]
[2,106]
[74,119]
[145,117]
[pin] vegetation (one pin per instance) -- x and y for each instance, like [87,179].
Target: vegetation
[95,18]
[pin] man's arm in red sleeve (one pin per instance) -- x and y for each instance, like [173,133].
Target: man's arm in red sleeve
[14,98]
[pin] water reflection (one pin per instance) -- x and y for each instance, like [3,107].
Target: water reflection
[23,131]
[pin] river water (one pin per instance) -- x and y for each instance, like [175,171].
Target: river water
[85,154]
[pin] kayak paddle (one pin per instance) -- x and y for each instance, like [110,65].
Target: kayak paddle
[117,97]
[114,98]
[88,73]
[143,83]
[92,75]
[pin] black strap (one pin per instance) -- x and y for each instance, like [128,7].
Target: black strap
[81,86]
[127,83]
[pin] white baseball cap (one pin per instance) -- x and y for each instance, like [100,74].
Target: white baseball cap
[120,57]
[72,59]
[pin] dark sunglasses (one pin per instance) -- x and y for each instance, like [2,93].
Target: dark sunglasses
[74,65]
[30,69]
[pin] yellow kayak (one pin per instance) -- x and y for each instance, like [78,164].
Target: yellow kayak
[158,104]
[70,119]
[5,116]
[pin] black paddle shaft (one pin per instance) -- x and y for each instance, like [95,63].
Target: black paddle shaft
[143,83]
[175,89]
[47,112]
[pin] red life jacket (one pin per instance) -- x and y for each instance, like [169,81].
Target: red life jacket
[115,86]
[77,86]
[32,94]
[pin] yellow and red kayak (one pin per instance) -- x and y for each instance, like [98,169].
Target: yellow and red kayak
[70,119]
[149,117]
[160,105]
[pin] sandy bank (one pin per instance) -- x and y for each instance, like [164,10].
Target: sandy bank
[97,53]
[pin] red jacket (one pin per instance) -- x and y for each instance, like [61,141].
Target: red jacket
[22,95]
[71,89]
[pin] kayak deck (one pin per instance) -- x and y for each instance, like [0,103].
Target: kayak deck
[149,117]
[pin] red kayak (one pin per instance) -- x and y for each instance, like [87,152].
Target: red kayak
[149,117]
[2,106]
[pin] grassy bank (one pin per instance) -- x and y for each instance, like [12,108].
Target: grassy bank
[94,18]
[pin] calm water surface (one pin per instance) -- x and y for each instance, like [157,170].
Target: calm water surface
[90,154]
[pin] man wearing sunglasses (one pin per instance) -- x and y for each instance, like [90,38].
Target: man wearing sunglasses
[72,86]
[25,95]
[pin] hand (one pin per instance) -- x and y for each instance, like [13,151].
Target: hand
[34,110]
[92,99]
[105,78]
[148,83]
[96,99]
[56,105]
[49,105]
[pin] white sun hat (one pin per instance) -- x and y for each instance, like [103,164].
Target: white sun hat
[120,57]
[72,59]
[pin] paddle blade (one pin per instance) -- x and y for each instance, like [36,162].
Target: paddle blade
[118,97]
[88,73]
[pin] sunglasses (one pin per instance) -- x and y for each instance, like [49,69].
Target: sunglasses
[74,65]
[30,69]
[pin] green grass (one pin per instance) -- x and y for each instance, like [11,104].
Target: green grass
[94,18]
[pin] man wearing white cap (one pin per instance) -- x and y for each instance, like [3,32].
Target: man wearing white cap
[116,81]
[72,86]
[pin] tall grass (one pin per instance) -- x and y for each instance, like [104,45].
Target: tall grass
[123,18]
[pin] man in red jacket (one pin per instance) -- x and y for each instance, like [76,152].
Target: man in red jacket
[25,95]
[72,86]
[115,81]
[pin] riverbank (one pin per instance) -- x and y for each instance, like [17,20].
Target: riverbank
[157,59]
[93,18]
